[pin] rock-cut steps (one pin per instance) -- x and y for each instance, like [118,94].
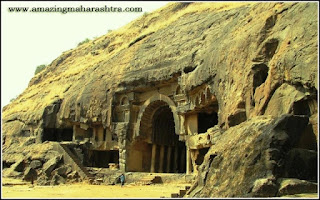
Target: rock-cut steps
[71,159]
[181,192]
[150,179]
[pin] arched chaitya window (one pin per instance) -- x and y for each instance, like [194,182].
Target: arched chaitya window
[124,101]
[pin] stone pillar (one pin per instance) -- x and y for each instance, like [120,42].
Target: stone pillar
[126,115]
[182,159]
[74,133]
[194,155]
[175,162]
[188,162]
[153,158]
[168,159]
[122,160]
[94,137]
[161,158]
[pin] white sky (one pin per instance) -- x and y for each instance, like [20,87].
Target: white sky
[31,39]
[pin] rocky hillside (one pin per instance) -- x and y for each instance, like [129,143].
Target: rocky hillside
[260,59]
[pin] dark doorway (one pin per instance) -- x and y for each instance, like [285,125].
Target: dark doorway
[202,153]
[206,121]
[101,159]
[58,135]
[163,128]
[172,159]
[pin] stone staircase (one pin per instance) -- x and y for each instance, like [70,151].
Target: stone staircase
[104,176]
[150,179]
[71,159]
[182,192]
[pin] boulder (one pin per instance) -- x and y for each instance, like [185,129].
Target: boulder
[43,180]
[57,180]
[73,175]
[283,99]
[30,174]
[50,165]
[290,186]
[9,172]
[62,171]
[29,141]
[265,187]
[35,164]
[51,154]
[16,169]
[18,166]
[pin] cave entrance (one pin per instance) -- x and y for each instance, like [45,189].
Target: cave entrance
[206,121]
[168,153]
[57,135]
[102,159]
[201,154]
[159,149]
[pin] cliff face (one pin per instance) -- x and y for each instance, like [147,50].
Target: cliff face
[256,59]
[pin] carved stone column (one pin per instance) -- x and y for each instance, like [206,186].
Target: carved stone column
[188,162]
[168,159]
[161,158]
[175,162]
[153,158]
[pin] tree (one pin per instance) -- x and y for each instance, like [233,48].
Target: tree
[39,69]
[84,41]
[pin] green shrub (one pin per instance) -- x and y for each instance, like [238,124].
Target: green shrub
[84,41]
[39,69]
[11,100]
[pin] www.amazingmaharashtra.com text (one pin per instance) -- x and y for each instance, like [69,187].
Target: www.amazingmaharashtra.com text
[77,9]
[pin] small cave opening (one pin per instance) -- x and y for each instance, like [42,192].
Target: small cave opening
[189,69]
[270,48]
[206,121]
[57,135]
[178,90]
[81,134]
[124,101]
[200,157]
[301,108]
[307,139]
[260,74]
[102,159]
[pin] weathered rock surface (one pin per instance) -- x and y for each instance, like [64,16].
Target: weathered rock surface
[35,164]
[62,171]
[73,175]
[265,187]
[259,60]
[30,174]
[302,164]
[57,180]
[19,166]
[296,186]
[43,180]
[248,158]
[263,43]
[50,165]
